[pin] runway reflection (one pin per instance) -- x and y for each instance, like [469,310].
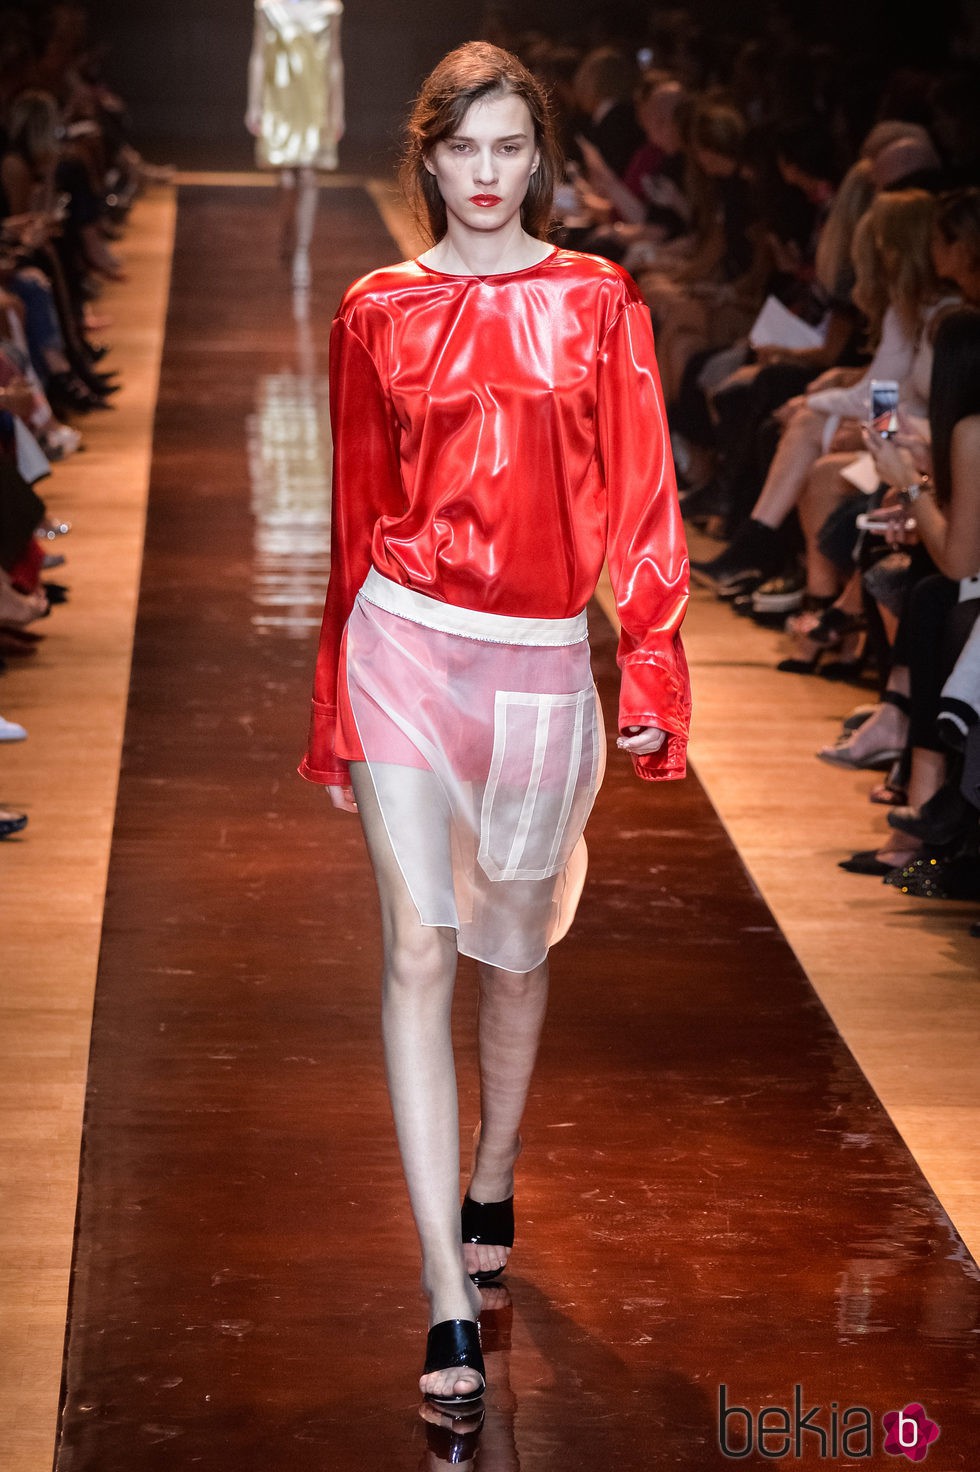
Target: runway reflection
[289,454]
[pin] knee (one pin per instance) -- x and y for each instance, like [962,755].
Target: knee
[512,986]
[420,959]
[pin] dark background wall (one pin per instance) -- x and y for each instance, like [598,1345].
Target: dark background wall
[182,63]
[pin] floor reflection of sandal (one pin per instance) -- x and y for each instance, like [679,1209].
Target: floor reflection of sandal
[454,1344]
[488,1224]
[452,1439]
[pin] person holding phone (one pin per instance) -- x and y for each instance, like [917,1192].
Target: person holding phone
[498,433]
[933,486]
[899,293]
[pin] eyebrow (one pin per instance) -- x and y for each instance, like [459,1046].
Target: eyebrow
[509,138]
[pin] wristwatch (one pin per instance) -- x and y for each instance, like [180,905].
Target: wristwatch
[911,494]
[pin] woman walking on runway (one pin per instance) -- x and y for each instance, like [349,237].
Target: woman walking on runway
[296,110]
[498,433]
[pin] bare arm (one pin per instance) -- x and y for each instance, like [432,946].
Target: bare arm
[256,74]
[952,537]
[336,91]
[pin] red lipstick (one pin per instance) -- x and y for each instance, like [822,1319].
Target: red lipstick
[485,200]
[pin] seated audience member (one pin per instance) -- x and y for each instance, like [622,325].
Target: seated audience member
[604,87]
[705,288]
[956,242]
[67,177]
[955,249]
[933,486]
[898,293]
[648,202]
[726,419]
[909,163]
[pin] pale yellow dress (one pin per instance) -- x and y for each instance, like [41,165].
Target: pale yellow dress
[301,100]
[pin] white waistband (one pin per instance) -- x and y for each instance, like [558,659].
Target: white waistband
[447,618]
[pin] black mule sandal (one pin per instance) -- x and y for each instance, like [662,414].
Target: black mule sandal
[455,1344]
[489,1222]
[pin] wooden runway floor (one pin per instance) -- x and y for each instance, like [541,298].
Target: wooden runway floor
[711,1194]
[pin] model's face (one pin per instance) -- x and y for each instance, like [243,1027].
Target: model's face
[484,169]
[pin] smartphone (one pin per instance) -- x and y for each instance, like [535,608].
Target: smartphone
[884,407]
[868,522]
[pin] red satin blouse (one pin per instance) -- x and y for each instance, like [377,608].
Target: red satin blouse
[495,438]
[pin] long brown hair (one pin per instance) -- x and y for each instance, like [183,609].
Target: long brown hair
[832,259]
[467,75]
[893,260]
[954,392]
[902,224]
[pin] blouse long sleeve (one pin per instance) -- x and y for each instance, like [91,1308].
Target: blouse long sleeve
[365,487]
[892,360]
[645,544]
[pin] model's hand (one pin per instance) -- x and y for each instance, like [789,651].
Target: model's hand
[642,740]
[343,798]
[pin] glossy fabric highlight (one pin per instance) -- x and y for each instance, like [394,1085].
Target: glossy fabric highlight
[302,85]
[496,438]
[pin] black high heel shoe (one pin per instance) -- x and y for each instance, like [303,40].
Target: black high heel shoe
[454,1344]
[68,393]
[491,1223]
[829,632]
[946,818]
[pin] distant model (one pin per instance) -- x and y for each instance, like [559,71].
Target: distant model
[296,110]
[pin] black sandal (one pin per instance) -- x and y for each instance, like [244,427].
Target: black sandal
[455,1344]
[489,1222]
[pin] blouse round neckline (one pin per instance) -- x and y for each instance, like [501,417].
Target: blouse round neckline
[490,276]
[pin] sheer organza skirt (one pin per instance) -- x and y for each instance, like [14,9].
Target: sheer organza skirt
[484,742]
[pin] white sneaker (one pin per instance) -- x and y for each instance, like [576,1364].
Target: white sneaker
[10,731]
[60,441]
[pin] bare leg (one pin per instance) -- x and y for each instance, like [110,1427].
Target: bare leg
[799,446]
[306,204]
[683,331]
[824,491]
[889,725]
[287,214]
[512,1012]
[927,774]
[417,992]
